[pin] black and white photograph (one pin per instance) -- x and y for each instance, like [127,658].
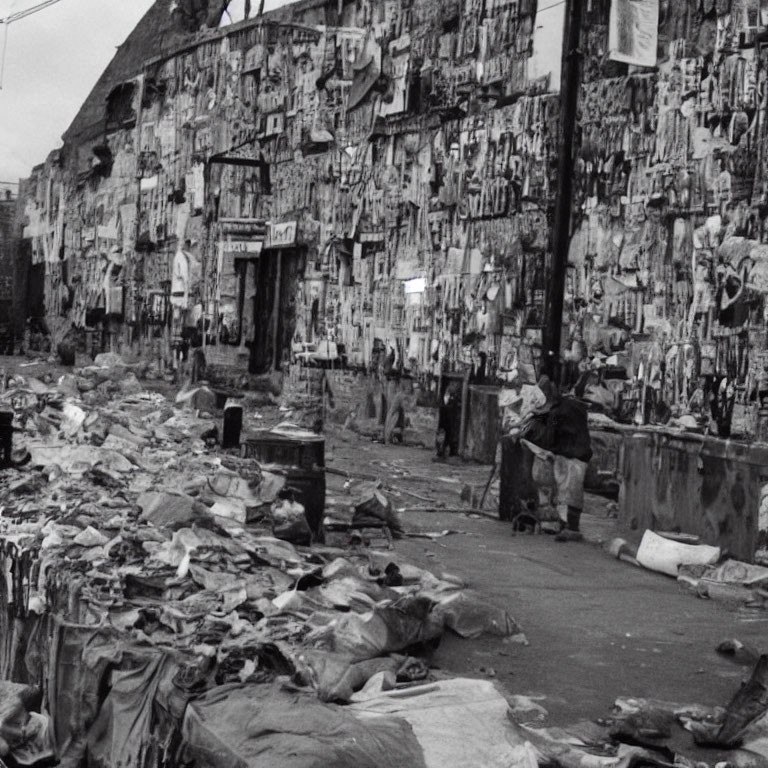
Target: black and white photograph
[383,383]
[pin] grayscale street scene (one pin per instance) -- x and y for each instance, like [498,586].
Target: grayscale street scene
[384,384]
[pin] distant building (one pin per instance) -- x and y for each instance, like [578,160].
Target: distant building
[9,242]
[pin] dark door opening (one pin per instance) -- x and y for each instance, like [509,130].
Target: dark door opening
[275,308]
[36,291]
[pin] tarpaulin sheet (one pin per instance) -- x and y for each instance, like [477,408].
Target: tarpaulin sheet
[458,723]
[80,657]
[264,726]
[121,733]
[110,700]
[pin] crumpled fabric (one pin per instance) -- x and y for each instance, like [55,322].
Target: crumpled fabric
[12,713]
[38,745]
[385,629]
[469,616]
[79,660]
[569,475]
[26,735]
[121,734]
[263,726]
[335,679]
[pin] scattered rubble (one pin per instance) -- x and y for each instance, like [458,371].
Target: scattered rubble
[145,569]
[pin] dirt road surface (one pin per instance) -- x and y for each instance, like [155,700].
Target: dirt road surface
[598,628]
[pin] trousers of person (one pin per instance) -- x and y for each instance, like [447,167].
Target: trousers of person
[562,480]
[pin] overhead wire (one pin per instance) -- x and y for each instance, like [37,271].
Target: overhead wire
[27,11]
[551,5]
[18,16]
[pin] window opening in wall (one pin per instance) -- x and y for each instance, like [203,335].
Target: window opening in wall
[120,111]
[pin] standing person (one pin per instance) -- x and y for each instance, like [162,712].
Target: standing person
[449,421]
[561,427]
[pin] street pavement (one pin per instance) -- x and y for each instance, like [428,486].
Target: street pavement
[598,628]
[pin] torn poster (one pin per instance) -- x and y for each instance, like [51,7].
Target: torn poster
[634,32]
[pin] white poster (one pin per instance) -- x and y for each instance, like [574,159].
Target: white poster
[634,32]
[546,60]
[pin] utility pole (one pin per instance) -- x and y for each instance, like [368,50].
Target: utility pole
[569,101]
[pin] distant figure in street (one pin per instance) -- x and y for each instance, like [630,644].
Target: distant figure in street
[67,348]
[194,338]
[560,427]
[449,422]
[761,386]
[199,366]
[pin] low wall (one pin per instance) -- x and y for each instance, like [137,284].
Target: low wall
[363,400]
[712,488]
[716,489]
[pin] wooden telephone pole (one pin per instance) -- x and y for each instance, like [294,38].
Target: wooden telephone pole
[569,101]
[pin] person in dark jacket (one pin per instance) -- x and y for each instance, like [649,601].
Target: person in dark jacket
[449,422]
[561,428]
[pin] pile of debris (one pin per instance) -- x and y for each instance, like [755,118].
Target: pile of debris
[143,569]
[703,570]
[645,732]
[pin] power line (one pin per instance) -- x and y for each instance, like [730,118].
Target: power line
[553,5]
[10,183]
[27,12]
[8,20]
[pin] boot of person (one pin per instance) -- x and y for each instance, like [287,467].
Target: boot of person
[571,530]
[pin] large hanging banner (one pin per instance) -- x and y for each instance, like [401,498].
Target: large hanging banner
[634,32]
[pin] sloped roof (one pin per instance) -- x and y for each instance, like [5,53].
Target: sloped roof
[157,34]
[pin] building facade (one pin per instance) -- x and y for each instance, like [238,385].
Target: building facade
[383,175]
[7,251]
[378,174]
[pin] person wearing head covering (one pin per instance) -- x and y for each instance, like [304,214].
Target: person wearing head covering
[560,426]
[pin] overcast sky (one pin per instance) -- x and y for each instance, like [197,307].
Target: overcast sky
[52,60]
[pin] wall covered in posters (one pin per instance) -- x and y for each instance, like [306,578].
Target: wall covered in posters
[669,236]
[380,145]
[397,162]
